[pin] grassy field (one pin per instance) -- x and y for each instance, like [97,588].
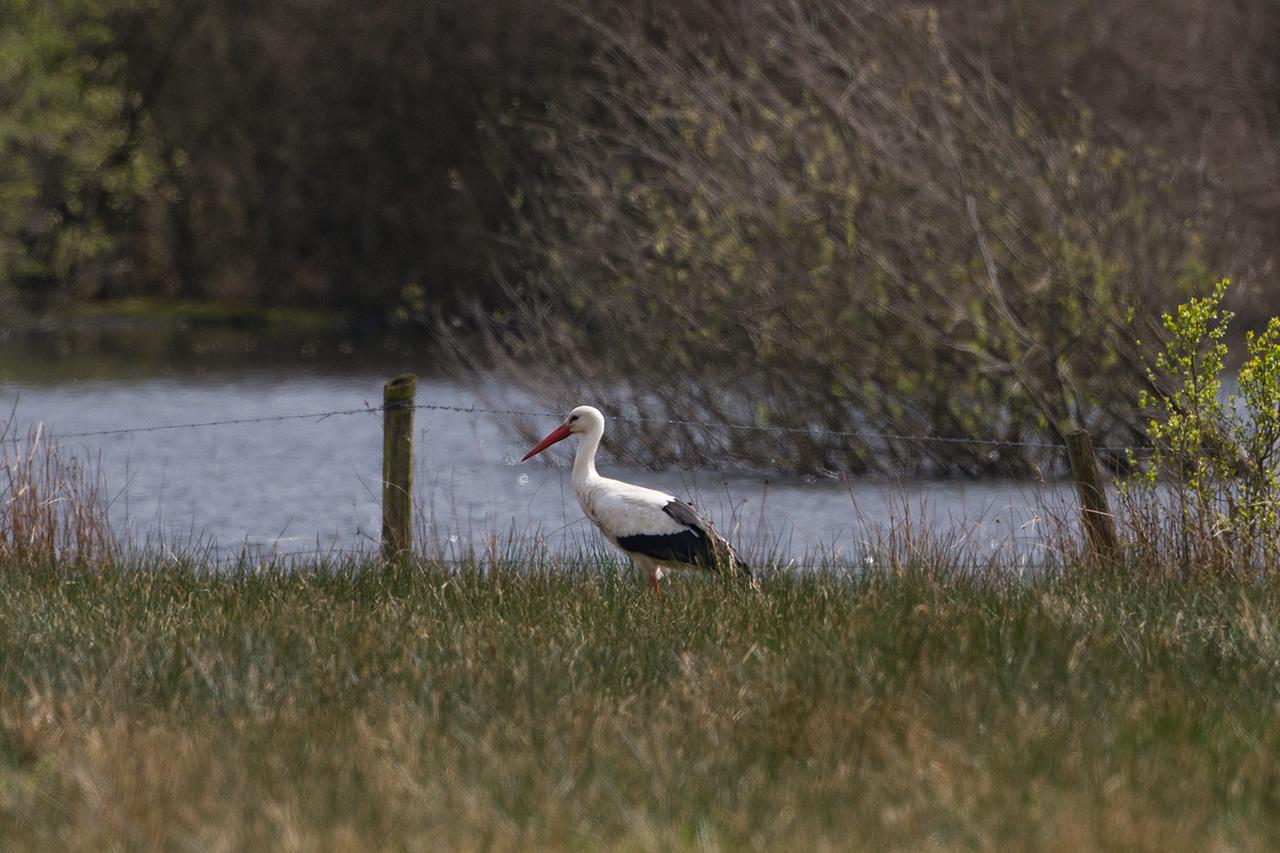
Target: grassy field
[346,708]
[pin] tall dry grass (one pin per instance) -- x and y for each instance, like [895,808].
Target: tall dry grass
[54,508]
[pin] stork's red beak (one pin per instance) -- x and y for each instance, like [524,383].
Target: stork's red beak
[560,433]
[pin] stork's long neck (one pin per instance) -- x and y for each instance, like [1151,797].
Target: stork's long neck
[584,463]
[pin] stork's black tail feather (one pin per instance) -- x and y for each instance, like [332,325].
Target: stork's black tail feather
[706,546]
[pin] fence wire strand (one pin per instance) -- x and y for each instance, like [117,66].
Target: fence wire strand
[478,410]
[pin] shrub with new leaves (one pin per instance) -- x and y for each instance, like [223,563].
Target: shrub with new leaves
[1209,494]
[825,219]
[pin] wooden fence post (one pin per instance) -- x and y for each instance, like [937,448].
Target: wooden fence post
[1099,524]
[397,465]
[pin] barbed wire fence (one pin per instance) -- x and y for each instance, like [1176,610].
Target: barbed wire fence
[1092,499]
[708,425]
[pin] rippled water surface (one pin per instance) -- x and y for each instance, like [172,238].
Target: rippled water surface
[307,484]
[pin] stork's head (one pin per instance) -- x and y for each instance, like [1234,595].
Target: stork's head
[580,420]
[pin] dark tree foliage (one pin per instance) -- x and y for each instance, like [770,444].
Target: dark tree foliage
[78,158]
[375,156]
[340,154]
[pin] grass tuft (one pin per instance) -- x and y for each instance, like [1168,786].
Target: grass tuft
[53,505]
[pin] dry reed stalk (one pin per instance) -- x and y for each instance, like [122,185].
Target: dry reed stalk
[53,505]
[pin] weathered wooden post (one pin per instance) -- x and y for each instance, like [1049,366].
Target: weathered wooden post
[397,465]
[1099,523]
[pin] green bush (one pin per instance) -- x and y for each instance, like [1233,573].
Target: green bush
[1210,492]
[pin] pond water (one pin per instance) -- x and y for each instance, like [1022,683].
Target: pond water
[305,485]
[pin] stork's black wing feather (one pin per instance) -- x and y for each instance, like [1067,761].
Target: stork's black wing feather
[698,545]
[685,514]
[688,546]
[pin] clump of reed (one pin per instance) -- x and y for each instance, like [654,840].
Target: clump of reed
[54,507]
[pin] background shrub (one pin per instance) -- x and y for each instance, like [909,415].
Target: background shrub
[842,228]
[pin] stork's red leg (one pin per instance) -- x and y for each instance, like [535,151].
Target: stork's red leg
[653,582]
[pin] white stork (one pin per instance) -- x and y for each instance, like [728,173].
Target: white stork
[654,529]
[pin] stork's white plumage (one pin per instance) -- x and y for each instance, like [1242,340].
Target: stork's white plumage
[653,528]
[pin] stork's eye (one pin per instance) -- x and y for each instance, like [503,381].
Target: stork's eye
[572,418]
